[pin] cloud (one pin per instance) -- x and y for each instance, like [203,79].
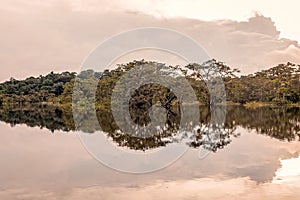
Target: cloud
[40,37]
[288,54]
[259,24]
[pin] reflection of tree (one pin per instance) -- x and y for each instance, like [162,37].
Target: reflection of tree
[211,137]
[146,94]
[279,123]
[42,116]
[53,118]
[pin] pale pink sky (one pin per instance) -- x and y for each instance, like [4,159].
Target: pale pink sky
[42,36]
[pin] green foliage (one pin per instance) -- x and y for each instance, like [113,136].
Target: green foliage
[34,90]
[279,85]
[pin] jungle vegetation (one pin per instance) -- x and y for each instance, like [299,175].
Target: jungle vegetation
[48,101]
[278,85]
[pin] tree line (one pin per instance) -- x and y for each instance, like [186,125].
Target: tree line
[35,90]
[278,85]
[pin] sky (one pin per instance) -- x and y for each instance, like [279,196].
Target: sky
[42,36]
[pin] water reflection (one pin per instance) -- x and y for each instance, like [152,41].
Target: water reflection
[38,165]
[280,123]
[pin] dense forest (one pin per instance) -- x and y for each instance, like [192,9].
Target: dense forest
[35,90]
[47,101]
[279,85]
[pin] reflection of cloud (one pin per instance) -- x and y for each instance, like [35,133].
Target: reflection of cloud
[56,166]
[207,188]
[289,173]
[250,155]
[40,37]
[37,159]
[240,188]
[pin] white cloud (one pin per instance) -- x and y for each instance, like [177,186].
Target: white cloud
[40,37]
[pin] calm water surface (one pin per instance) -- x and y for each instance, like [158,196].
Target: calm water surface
[42,158]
